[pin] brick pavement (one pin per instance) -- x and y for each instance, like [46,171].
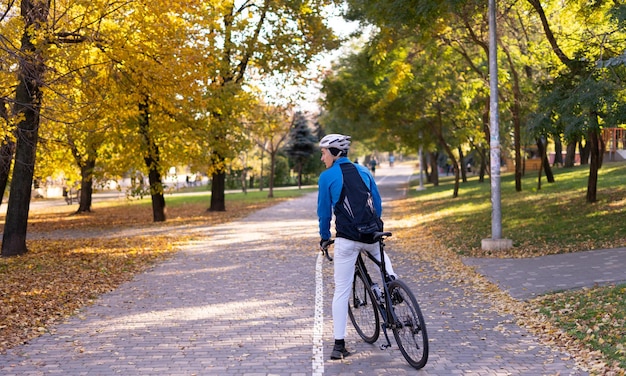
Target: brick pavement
[241,301]
[527,278]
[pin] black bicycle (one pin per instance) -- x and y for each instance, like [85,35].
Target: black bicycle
[394,304]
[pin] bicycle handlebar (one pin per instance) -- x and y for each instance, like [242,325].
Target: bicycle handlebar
[324,249]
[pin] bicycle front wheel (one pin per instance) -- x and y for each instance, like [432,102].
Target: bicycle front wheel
[410,328]
[363,311]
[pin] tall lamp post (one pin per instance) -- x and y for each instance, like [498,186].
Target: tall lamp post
[495,242]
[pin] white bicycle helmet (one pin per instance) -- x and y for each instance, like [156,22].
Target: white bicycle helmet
[336,141]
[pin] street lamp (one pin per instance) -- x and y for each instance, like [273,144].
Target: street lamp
[495,242]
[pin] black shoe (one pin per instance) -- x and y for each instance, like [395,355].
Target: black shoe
[339,352]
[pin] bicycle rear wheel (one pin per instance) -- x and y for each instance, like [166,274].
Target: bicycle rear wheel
[410,331]
[363,311]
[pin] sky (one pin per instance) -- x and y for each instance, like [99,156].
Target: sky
[311,92]
[343,29]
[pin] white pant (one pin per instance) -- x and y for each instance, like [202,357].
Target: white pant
[345,254]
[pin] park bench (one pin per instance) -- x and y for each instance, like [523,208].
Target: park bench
[71,195]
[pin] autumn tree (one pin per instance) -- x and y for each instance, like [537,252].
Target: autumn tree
[7,147]
[81,112]
[11,24]
[270,129]
[58,55]
[27,109]
[263,37]
[155,67]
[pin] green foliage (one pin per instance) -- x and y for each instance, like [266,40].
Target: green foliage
[282,177]
[418,91]
[399,14]
[618,13]
[424,73]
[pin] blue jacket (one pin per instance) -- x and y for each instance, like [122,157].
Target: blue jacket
[330,184]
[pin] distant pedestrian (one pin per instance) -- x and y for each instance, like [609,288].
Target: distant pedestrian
[372,164]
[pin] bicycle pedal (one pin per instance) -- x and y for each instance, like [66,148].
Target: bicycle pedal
[384,346]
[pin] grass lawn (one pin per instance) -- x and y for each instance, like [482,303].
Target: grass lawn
[554,219]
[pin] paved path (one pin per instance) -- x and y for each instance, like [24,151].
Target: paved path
[253,298]
[527,278]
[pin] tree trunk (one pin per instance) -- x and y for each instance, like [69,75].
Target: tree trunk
[545,163]
[558,151]
[152,159]
[570,154]
[244,174]
[596,160]
[592,182]
[601,147]
[156,192]
[244,180]
[86,174]
[261,177]
[546,167]
[300,168]
[86,186]
[483,166]
[539,174]
[218,187]
[425,162]
[455,167]
[583,150]
[28,98]
[434,168]
[270,194]
[7,149]
[462,164]
[442,141]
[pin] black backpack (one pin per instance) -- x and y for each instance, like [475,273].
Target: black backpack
[355,214]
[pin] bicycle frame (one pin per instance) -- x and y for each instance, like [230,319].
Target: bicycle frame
[389,317]
[400,312]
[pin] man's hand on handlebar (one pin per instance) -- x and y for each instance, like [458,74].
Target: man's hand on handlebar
[324,244]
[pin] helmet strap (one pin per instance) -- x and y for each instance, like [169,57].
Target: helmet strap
[335,152]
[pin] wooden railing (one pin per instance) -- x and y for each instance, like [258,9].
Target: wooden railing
[614,139]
